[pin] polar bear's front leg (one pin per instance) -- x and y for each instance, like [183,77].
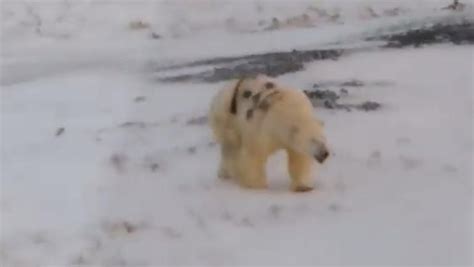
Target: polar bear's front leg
[252,168]
[228,163]
[299,167]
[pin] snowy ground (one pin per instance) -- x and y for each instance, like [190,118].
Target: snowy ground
[131,177]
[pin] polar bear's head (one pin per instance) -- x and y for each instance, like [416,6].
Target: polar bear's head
[308,138]
[318,145]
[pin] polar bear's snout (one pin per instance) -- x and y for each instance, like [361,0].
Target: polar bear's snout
[321,152]
[322,155]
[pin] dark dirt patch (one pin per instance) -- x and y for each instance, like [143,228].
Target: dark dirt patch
[119,162]
[198,219]
[246,222]
[308,55]
[325,95]
[170,232]
[374,158]
[367,106]
[155,35]
[410,163]
[460,33]
[271,64]
[226,216]
[277,63]
[191,150]
[60,131]
[39,238]
[275,210]
[133,124]
[139,99]
[449,168]
[211,144]
[138,124]
[351,83]
[123,227]
[152,164]
[403,141]
[330,100]
[197,121]
[154,167]
[334,207]
[328,94]
[80,260]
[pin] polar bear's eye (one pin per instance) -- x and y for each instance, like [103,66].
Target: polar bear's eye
[247,94]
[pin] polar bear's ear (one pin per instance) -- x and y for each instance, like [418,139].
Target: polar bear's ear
[233,102]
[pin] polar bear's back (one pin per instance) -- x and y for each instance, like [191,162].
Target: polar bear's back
[293,103]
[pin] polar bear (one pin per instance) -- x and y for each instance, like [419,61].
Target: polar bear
[253,118]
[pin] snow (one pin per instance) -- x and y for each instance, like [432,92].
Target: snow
[132,181]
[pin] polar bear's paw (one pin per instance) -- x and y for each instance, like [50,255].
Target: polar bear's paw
[302,188]
[254,184]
